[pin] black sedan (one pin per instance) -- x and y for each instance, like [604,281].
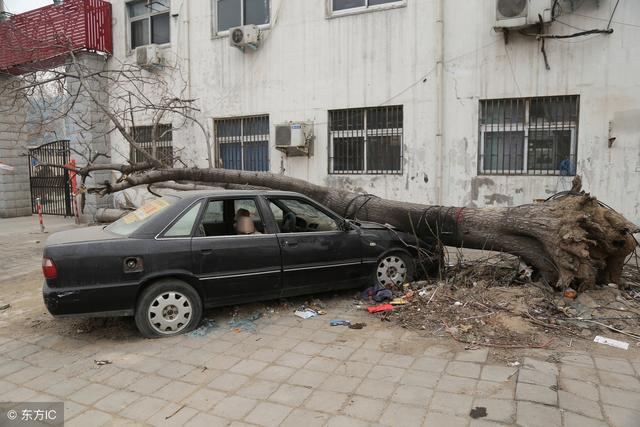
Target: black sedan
[176,255]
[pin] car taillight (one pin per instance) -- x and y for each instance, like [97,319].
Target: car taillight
[49,269]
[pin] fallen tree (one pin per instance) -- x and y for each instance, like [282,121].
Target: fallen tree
[571,239]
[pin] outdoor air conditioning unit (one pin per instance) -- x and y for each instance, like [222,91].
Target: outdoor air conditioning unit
[245,36]
[148,56]
[522,13]
[295,138]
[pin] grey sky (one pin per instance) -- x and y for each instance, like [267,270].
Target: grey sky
[19,6]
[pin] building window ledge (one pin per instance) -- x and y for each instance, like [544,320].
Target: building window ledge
[357,11]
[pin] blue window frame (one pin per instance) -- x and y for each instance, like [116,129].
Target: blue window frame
[243,143]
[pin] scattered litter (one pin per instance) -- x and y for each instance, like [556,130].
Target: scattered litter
[306,313]
[398,301]
[570,293]
[339,322]
[4,306]
[174,412]
[457,303]
[246,325]
[379,308]
[516,363]
[207,326]
[102,362]
[383,295]
[478,412]
[357,325]
[613,343]
[613,285]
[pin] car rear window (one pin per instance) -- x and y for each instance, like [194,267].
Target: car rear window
[129,223]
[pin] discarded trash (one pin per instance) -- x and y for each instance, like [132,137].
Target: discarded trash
[102,362]
[246,325]
[383,294]
[478,412]
[357,325]
[610,341]
[516,363]
[379,308]
[398,301]
[339,322]
[306,313]
[570,293]
[4,306]
[207,326]
[457,303]
[613,285]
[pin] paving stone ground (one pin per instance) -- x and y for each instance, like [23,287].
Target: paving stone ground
[294,372]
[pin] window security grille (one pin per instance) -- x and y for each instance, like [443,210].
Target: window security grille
[243,143]
[536,136]
[164,143]
[366,140]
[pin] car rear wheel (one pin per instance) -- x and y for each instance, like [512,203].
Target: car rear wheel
[166,308]
[395,269]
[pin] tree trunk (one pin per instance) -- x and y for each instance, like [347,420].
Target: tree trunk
[571,240]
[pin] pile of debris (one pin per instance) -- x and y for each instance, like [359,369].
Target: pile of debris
[491,301]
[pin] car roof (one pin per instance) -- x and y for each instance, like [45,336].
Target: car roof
[195,194]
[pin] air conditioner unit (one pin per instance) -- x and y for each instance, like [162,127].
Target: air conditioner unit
[295,138]
[148,56]
[522,13]
[245,36]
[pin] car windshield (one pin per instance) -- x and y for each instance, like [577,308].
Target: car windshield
[136,219]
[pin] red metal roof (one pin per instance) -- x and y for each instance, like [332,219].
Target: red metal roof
[43,37]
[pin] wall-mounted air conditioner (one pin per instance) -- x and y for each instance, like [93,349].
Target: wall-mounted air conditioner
[148,56]
[244,36]
[295,138]
[522,13]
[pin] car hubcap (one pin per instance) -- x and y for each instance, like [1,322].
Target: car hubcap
[392,271]
[170,312]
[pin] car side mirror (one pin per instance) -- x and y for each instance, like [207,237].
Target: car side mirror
[345,225]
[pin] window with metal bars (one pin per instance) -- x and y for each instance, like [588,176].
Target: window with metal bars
[366,140]
[243,143]
[535,136]
[143,135]
[149,22]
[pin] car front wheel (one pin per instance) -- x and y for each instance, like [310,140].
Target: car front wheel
[166,308]
[395,269]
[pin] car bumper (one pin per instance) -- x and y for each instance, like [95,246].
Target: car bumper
[90,301]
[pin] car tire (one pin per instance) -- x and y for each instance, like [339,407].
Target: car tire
[167,308]
[395,269]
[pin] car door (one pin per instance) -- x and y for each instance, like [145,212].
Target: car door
[317,253]
[235,267]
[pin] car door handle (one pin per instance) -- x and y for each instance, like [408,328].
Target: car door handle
[286,243]
[206,251]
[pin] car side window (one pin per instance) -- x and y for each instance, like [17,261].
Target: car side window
[296,216]
[184,226]
[231,217]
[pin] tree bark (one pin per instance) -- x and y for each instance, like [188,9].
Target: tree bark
[571,240]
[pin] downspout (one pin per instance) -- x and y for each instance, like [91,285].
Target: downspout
[439,139]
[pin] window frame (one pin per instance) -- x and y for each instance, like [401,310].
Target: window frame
[337,218]
[217,141]
[362,9]
[148,15]
[147,144]
[268,231]
[526,127]
[365,133]
[225,33]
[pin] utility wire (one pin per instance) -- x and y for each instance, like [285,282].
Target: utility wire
[612,13]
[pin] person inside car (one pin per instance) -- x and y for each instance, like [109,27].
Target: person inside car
[245,225]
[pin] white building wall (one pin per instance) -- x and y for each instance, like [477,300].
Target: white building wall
[309,64]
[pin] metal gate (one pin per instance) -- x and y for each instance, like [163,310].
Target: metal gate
[48,182]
